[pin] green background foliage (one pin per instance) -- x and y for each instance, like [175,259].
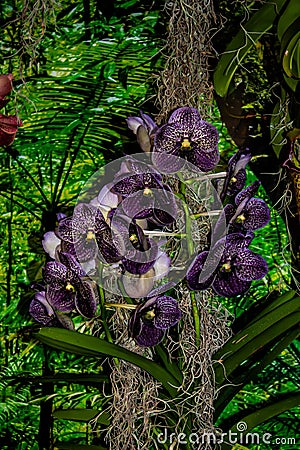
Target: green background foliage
[80,69]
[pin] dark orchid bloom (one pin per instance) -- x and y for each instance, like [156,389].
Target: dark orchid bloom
[233,266]
[88,231]
[152,319]
[41,310]
[236,173]
[67,288]
[144,127]
[185,136]
[138,252]
[250,213]
[5,88]
[8,129]
[144,194]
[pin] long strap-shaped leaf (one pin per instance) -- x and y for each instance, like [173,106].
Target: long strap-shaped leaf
[240,45]
[247,374]
[71,341]
[265,412]
[258,334]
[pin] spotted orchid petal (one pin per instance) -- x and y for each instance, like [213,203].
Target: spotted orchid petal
[189,137]
[152,318]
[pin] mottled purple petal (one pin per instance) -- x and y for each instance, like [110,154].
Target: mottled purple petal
[235,242]
[149,336]
[257,214]
[167,312]
[237,182]
[41,310]
[86,300]
[71,263]
[55,273]
[137,268]
[165,208]
[68,231]
[230,285]
[194,272]
[186,115]
[61,299]
[168,139]
[205,161]
[109,253]
[166,163]
[86,249]
[229,211]
[127,184]
[250,266]
[247,193]
[138,205]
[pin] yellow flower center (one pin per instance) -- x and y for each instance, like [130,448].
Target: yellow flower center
[147,192]
[90,235]
[133,238]
[70,287]
[240,219]
[226,267]
[185,144]
[150,314]
[233,180]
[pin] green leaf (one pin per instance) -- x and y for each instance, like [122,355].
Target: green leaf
[255,336]
[260,415]
[170,366]
[240,45]
[82,415]
[291,11]
[78,378]
[72,341]
[273,409]
[290,51]
[108,70]
[247,374]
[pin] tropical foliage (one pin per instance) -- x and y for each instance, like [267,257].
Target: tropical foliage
[80,69]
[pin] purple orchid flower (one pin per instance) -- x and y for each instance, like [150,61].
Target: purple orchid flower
[144,194]
[144,127]
[88,231]
[185,136]
[248,214]
[151,320]
[234,266]
[41,311]
[67,289]
[138,252]
[236,173]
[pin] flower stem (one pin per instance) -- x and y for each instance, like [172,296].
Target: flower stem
[217,212]
[190,248]
[196,317]
[119,305]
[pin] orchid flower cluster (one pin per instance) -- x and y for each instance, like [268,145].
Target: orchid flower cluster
[8,124]
[118,243]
